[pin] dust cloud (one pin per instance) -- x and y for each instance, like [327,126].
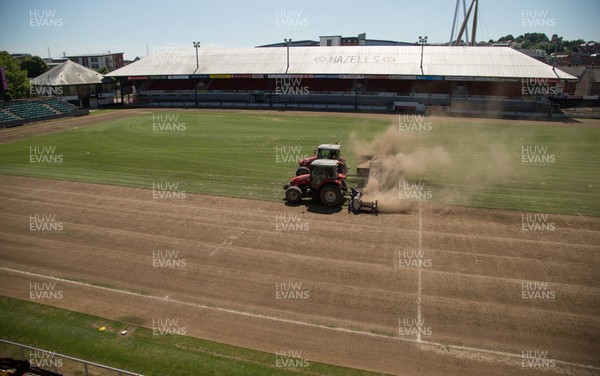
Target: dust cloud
[406,167]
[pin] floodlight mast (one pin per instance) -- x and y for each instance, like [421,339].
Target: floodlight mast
[463,28]
[454,23]
[556,40]
[422,41]
[287,44]
[196,46]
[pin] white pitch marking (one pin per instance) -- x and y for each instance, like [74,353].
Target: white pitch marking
[420,247]
[419,284]
[295,322]
[226,243]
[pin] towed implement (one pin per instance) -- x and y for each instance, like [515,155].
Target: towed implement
[358,204]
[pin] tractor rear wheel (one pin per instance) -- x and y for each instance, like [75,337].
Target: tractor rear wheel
[343,169]
[302,171]
[293,194]
[331,195]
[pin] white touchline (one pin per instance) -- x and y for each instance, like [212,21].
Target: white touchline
[295,322]
[419,275]
[420,248]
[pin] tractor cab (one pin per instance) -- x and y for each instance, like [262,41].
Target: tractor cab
[323,170]
[329,151]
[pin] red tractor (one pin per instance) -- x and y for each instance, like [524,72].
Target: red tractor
[325,151]
[324,182]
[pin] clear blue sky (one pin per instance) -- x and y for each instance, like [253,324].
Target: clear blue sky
[79,26]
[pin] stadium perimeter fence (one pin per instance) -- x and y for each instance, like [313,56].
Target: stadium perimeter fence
[55,362]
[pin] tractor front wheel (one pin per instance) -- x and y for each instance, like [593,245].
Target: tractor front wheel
[302,171]
[331,195]
[293,194]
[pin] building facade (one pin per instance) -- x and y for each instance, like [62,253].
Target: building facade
[338,40]
[110,61]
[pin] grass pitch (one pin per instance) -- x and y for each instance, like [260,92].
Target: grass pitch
[142,350]
[251,154]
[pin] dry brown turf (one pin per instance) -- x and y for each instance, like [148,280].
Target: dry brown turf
[348,265]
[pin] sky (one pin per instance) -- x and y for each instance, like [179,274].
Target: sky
[138,27]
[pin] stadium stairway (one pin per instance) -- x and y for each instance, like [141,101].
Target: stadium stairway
[6,115]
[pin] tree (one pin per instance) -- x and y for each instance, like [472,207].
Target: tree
[536,38]
[18,83]
[541,41]
[104,70]
[507,38]
[34,66]
[572,45]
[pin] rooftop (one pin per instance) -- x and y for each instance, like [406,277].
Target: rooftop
[330,146]
[400,61]
[97,54]
[325,162]
[67,73]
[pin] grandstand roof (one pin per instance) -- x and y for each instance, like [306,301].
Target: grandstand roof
[68,73]
[493,62]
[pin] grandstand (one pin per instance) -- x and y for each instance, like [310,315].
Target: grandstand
[20,112]
[373,78]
